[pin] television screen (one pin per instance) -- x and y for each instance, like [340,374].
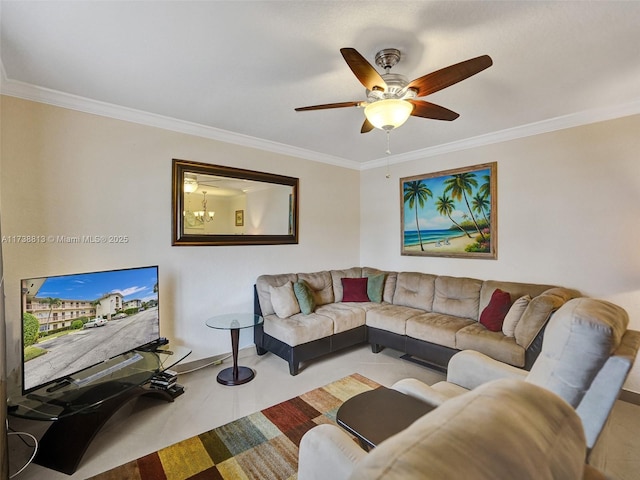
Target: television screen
[71,322]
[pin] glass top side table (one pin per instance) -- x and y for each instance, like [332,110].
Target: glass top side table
[234,322]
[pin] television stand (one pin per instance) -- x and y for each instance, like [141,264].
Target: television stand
[81,405]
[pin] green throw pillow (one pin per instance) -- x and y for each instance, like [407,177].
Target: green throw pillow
[304,296]
[375,287]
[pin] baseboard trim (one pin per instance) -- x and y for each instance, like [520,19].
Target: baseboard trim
[187,367]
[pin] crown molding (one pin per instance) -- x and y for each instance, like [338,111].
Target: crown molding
[47,96]
[559,123]
[73,102]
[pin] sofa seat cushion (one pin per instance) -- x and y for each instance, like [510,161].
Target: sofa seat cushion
[392,318]
[493,344]
[299,328]
[436,328]
[344,316]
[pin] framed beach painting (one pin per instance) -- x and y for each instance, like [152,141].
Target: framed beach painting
[452,213]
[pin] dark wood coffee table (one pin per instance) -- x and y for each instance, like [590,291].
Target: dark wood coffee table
[378,414]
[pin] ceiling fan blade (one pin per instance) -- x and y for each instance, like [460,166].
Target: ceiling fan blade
[431,110]
[328,105]
[363,70]
[450,75]
[367,126]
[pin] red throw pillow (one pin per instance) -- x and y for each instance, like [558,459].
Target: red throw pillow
[354,290]
[493,314]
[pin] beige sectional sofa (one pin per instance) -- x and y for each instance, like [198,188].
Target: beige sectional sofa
[505,429]
[427,316]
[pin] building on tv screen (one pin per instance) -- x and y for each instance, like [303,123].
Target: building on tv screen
[71,322]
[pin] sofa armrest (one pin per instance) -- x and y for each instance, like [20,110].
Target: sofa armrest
[597,403]
[417,389]
[470,369]
[326,451]
[591,473]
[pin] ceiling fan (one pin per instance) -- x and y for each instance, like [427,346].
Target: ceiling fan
[391,98]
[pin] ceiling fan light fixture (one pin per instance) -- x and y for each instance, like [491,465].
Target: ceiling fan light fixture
[389,113]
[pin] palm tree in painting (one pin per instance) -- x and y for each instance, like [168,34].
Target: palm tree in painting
[446,207]
[52,302]
[480,204]
[485,188]
[416,195]
[460,185]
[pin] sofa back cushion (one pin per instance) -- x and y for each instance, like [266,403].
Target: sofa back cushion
[579,339]
[321,286]
[262,288]
[336,280]
[457,296]
[538,312]
[503,429]
[414,290]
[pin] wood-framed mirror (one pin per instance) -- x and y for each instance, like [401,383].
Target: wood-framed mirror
[218,205]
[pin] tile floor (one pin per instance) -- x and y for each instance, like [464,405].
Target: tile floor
[147,425]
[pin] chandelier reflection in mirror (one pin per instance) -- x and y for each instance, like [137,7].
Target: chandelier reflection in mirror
[198,217]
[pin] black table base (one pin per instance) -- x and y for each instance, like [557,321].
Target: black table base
[67,439]
[227,376]
[235,375]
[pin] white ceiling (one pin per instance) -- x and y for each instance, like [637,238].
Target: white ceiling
[235,70]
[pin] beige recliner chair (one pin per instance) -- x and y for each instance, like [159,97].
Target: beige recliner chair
[586,355]
[506,429]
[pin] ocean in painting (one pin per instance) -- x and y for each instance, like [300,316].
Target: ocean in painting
[429,236]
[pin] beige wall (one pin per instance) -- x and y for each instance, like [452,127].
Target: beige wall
[567,207]
[71,173]
[568,213]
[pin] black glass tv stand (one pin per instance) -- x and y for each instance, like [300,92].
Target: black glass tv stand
[81,404]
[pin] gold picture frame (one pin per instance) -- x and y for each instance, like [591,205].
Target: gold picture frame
[451,213]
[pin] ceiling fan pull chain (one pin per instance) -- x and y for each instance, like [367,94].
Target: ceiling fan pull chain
[388,152]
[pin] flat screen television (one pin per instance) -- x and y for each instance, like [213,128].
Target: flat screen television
[72,322]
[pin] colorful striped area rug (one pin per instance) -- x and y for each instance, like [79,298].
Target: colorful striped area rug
[263,445]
